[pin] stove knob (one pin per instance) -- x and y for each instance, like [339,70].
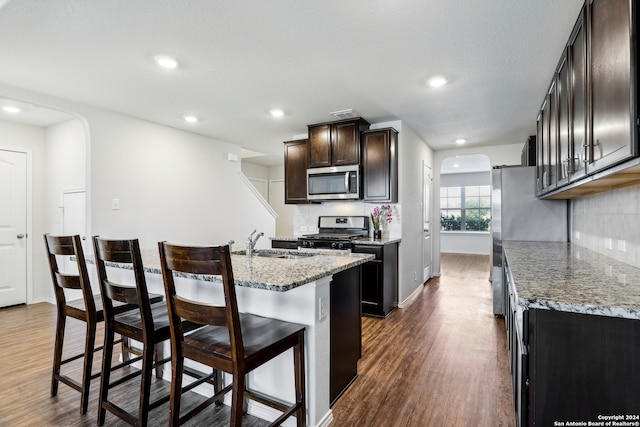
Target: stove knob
[311,244]
[340,245]
[334,245]
[305,244]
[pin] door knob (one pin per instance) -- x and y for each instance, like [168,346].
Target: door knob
[20,236]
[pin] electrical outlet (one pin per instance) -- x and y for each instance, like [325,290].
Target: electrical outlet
[415,276]
[577,235]
[115,204]
[322,308]
[608,243]
[622,245]
[313,229]
[303,228]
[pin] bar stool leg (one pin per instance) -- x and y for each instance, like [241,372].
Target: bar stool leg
[57,353]
[88,365]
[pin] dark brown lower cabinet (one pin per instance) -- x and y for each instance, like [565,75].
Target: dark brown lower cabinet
[345,331]
[284,244]
[582,366]
[572,367]
[379,279]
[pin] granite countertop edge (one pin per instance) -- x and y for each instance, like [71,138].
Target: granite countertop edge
[567,277]
[267,273]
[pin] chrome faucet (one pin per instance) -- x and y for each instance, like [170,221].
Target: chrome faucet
[231,242]
[251,243]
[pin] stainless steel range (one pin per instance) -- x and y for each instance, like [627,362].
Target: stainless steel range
[336,233]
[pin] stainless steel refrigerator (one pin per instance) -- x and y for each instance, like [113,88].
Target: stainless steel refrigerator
[517,214]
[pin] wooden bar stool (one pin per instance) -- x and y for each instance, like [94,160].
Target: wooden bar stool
[231,342]
[87,309]
[148,324]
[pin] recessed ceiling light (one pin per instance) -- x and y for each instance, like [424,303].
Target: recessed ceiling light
[437,81]
[276,113]
[460,141]
[166,61]
[10,109]
[190,119]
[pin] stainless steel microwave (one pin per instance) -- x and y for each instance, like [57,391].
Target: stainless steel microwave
[333,183]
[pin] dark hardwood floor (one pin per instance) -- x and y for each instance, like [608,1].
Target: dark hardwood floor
[440,362]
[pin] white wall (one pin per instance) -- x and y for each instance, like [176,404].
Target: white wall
[465,242]
[253,170]
[172,185]
[508,154]
[413,154]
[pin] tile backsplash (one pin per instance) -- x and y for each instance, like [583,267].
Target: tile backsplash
[607,223]
[305,220]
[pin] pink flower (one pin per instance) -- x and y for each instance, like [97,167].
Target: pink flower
[380,213]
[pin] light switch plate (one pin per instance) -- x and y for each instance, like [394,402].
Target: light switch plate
[115,204]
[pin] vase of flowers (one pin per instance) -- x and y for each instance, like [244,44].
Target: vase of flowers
[379,214]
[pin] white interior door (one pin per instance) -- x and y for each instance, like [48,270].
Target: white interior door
[427,255]
[13,228]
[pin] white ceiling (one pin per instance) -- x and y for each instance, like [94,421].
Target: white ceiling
[239,59]
[465,164]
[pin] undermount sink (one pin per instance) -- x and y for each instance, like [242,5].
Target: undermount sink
[281,255]
[296,256]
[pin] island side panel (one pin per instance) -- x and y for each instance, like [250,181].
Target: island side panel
[300,305]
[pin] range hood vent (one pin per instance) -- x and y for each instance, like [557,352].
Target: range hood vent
[345,114]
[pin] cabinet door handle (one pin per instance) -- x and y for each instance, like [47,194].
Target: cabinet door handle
[20,236]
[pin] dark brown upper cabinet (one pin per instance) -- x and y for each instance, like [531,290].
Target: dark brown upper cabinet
[612,94]
[541,139]
[335,143]
[552,137]
[380,165]
[295,171]
[544,136]
[589,118]
[562,96]
[577,55]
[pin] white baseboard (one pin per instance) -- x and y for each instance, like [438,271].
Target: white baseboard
[407,302]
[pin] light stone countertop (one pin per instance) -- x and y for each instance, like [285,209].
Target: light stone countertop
[275,274]
[372,241]
[566,277]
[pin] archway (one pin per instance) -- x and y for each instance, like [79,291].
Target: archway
[465,204]
[55,144]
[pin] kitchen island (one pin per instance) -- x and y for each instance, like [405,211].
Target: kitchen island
[286,285]
[573,323]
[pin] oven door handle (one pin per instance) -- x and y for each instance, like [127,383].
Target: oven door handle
[346,182]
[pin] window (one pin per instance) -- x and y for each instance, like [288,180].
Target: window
[465,208]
